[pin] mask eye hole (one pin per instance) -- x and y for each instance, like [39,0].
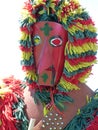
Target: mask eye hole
[36,40]
[56,41]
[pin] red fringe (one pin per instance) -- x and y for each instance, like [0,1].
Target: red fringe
[74,79]
[25,29]
[28,6]
[76,61]
[93,125]
[25,49]
[80,42]
[84,22]
[28,68]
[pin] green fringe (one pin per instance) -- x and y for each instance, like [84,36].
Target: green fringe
[84,15]
[19,114]
[43,96]
[27,62]
[59,99]
[26,43]
[82,120]
[26,79]
[88,53]
[70,74]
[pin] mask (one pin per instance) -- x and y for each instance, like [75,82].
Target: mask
[49,42]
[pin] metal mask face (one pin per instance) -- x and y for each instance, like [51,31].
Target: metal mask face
[49,39]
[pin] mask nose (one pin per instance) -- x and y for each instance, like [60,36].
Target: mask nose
[45,59]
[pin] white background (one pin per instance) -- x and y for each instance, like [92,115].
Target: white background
[9,36]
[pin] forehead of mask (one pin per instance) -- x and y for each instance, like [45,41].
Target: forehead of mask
[49,39]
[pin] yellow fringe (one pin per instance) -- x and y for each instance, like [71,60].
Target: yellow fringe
[81,27]
[0,122]
[82,79]
[24,36]
[45,110]
[31,75]
[26,55]
[71,49]
[78,112]
[25,14]
[81,65]
[68,85]
[38,2]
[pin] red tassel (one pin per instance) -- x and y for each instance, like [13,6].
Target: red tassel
[74,79]
[93,125]
[25,49]
[76,61]
[27,68]
[80,42]
[84,22]
[25,29]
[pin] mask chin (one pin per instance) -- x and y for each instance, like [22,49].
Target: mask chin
[47,77]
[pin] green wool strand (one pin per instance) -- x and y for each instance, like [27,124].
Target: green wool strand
[88,53]
[19,114]
[83,119]
[70,74]
[26,43]
[27,62]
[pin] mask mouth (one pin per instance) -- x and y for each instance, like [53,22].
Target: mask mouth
[47,77]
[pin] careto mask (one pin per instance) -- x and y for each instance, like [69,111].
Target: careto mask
[49,40]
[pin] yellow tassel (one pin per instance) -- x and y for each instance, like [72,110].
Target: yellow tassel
[0,122]
[81,27]
[31,75]
[26,55]
[45,111]
[81,65]
[78,112]
[90,28]
[87,99]
[82,79]
[75,28]
[68,85]
[71,49]
[24,36]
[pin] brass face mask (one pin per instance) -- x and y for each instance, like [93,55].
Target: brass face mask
[49,42]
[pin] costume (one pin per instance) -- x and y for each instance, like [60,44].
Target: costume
[58,44]
[78,42]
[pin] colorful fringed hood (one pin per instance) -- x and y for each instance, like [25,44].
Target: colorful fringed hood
[79,52]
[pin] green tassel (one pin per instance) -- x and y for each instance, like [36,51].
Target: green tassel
[27,62]
[43,96]
[59,101]
[61,89]
[70,74]
[88,53]
[19,115]
[80,121]
[79,35]
[90,34]
[26,43]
